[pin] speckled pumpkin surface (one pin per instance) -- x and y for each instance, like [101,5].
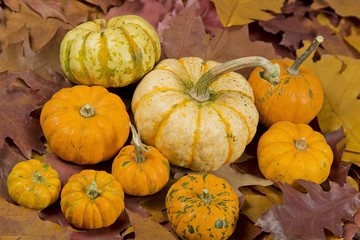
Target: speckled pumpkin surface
[201,207]
[110,54]
[33,184]
[198,135]
[297,98]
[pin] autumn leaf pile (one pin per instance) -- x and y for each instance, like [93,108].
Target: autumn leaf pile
[220,30]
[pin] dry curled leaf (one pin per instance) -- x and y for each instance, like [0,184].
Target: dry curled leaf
[306,215]
[339,77]
[240,12]
[21,223]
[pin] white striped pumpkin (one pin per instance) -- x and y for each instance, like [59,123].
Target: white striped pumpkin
[201,136]
[110,54]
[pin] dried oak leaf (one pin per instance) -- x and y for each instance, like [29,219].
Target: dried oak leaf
[187,37]
[47,8]
[306,215]
[338,75]
[240,12]
[339,169]
[20,56]
[16,122]
[354,38]
[145,228]
[245,229]
[18,222]
[292,36]
[40,31]
[151,10]
[10,155]
[105,4]
[348,9]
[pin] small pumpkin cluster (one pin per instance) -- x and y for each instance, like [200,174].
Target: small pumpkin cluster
[190,112]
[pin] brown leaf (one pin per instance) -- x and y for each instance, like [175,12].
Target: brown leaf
[16,122]
[245,229]
[321,209]
[47,8]
[339,169]
[187,37]
[105,4]
[292,36]
[20,56]
[40,31]
[351,227]
[18,222]
[13,4]
[77,12]
[10,155]
[348,9]
[151,10]
[147,229]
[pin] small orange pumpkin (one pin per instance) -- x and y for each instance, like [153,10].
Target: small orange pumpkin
[288,151]
[92,199]
[297,96]
[142,170]
[85,125]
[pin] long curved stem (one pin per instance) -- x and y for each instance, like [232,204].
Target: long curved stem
[201,90]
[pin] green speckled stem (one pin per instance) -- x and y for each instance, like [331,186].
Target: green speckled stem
[206,197]
[38,177]
[271,73]
[138,146]
[92,191]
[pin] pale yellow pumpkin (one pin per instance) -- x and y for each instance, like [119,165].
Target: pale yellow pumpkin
[195,126]
[112,53]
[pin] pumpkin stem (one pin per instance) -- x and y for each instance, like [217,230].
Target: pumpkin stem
[301,144]
[206,197]
[102,24]
[200,92]
[294,69]
[92,191]
[38,177]
[138,146]
[87,111]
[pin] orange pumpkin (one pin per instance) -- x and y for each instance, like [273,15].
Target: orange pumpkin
[142,170]
[85,125]
[296,97]
[288,151]
[92,199]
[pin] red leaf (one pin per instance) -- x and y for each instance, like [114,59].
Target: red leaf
[105,4]
[306,215]
[16,122]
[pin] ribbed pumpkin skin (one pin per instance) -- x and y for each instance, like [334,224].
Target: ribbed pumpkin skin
[280,160]
[27,191]
[201,136]
[85,140]
[110,54]
[297,99]
[141,179]
[84,212]
[192,218]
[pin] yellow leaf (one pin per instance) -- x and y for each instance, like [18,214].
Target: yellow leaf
[340,79]
[354,38]
[22,223]
[324,21]
[258,202]
[241,12]
[350,9]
